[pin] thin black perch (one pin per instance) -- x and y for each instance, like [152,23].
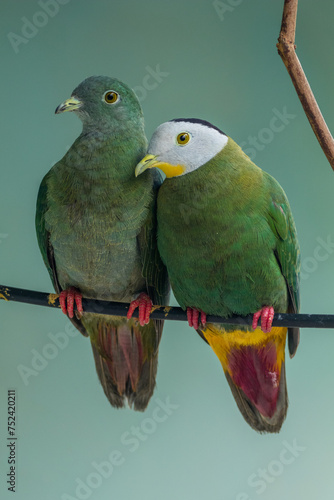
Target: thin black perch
[161,312]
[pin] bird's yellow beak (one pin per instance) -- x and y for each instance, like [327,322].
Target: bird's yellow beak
[151,161]
[70,104]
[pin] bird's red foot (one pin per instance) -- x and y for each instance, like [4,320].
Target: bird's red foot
[267,316]
[193,317]
[67,299]
[144,303]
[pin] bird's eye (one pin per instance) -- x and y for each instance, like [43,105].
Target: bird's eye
[111,97]
[183,138]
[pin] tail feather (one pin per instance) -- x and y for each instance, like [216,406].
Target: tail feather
[126,359]
[146,384]
[251,414]
[293,340]
[254,367]
[109,387]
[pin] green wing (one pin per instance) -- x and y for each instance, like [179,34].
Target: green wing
[288,257]
[154,271]
[43,238]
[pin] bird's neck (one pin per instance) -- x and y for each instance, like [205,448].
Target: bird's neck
[230,179]
[110,153]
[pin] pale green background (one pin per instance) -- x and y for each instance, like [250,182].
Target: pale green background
[228,72]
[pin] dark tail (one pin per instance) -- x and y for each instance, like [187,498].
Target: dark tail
[126,360]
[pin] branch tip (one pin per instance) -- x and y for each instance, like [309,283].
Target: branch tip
[287,50]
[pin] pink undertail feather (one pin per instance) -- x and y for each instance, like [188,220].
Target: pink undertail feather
[256,372]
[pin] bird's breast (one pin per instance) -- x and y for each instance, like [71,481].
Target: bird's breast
[93,231]
[219,251]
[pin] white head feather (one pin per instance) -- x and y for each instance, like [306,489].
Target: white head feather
[205,142]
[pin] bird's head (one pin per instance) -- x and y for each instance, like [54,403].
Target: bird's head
[103,103]
[180,146]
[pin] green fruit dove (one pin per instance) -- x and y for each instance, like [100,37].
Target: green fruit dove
[96,229]
[228,239]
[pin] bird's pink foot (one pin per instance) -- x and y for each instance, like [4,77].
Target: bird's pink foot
[144,303]
[67,299]
[267,316]
[193,317]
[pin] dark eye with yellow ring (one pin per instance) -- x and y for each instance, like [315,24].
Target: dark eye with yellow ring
[111,97]
[183,138]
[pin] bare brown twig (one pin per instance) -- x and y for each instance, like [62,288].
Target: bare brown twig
[286,49]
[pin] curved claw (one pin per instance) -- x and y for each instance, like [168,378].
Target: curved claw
[144,303]
[267,316]
[193,317]
[67,299]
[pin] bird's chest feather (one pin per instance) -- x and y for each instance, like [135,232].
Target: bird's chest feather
[218,247]
[93,225]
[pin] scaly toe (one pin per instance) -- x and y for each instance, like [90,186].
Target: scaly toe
[193,317]
[67,299]
[256,319]
[134,304]
[267,316]
[144,303]
[70,302]
[78,302]
[267,319]
[62,301]
[190,317]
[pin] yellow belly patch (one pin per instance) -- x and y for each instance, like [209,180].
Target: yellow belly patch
[222,342]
